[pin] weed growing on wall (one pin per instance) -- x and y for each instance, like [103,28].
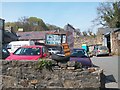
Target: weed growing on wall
[44,64]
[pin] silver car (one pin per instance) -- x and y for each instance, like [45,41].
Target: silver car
[102,50]
[53,50]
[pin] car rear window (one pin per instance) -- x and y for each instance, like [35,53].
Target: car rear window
[103,48]
[52,49]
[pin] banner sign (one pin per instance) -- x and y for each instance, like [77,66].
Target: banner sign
[55,39]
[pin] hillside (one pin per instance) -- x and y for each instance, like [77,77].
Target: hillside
[31,24]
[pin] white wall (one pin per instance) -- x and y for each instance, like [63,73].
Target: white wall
[104,41]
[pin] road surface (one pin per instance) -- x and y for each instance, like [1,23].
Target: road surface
[109,64]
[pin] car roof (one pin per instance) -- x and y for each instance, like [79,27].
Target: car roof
[78,49]
[102,46]
[33,46]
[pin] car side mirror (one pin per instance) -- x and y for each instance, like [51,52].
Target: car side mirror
[44,55]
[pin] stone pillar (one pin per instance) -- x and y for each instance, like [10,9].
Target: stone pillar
[115,43]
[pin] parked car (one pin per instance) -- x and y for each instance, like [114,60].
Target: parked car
[5,53]
[101,50]
[81,56]
[53,50]
[29,53]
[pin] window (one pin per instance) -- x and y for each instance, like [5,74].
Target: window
[103,48]
[27,51]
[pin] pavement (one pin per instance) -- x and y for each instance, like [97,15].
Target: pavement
[110,65]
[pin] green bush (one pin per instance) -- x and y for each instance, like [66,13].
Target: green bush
[44,64]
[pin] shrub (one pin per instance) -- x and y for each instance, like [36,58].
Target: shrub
[44,64]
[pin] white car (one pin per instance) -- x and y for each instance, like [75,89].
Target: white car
[53,50]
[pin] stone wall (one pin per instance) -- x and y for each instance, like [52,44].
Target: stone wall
[115,44]
[26,74]
[89,40]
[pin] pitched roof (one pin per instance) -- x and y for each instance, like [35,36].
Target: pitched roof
[107,30]
[33,35]
[117,30]
[11,35]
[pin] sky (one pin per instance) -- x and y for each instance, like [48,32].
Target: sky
[78,14]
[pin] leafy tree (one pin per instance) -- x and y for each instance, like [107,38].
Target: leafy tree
[11,24]
[90,32]
[37,24]
[53,27]
[78,32]
[108,14]
[28,24]
[84,33]
[31,24]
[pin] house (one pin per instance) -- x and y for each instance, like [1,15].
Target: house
[70,28]
[37,36]
[9,35]
[115,42]
[111,38]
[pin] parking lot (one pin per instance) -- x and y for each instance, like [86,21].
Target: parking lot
[109,64]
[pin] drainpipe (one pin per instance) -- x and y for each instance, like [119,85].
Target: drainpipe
[103,40]
[111,38]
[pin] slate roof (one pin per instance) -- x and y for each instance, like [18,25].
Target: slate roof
[34,35]
[107,30]
[117,30]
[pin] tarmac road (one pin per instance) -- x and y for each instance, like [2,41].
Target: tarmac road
[109,64]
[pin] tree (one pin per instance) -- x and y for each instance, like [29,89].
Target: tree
[53,27]
[28,24]
[37,24]
[108,14]
[23,23]
[84,33]
[11,24]
[33,24]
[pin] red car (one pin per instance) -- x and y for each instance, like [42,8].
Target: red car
[29,53]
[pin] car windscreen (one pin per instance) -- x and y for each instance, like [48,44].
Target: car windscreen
[78,53]
[103,48]
[27,51]
[5,51]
